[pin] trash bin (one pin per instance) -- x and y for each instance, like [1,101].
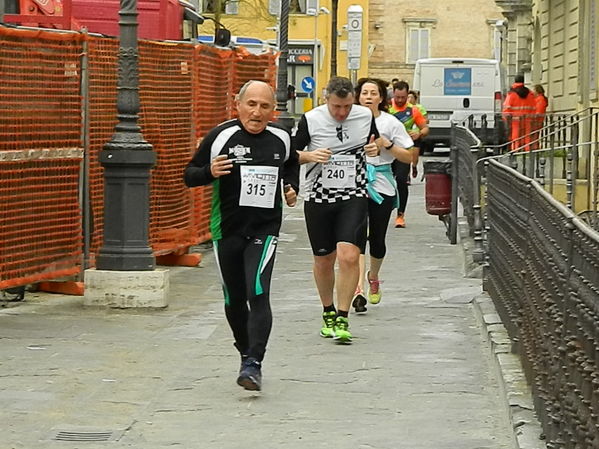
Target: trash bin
[438,186]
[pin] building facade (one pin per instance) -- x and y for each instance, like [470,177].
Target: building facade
[309,40]
[554,43]
[402,32]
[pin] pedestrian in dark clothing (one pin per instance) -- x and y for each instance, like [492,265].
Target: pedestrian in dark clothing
[245,160]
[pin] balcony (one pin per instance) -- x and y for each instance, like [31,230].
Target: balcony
[512,6]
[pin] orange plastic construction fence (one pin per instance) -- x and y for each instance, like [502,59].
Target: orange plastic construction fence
[40,156]
[185,90]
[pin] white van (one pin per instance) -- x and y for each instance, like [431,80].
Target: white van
[452,89]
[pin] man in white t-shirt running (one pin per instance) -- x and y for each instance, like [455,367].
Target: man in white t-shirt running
[333,141]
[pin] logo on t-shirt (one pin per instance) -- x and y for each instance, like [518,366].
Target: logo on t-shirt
[239,151]
[341,133]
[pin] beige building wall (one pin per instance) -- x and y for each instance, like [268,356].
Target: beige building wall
[554,43]
[564,52]
[461,28]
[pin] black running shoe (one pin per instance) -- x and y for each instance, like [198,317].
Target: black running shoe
[359,303]
[243,360]
[250,376]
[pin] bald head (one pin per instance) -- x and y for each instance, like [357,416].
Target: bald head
[256,85]
[255,104]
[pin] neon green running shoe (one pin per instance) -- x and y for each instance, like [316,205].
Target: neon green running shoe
[342,334]
[328,328]
[374,291]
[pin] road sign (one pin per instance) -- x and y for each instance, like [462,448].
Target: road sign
[354,36]
[353,63]
[308,84]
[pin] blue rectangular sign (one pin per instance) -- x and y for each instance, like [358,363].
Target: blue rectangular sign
[458,81]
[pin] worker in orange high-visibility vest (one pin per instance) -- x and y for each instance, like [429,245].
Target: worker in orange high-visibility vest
[518,110]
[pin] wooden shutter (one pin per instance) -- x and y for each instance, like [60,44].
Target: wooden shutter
[418,44]
[424,44]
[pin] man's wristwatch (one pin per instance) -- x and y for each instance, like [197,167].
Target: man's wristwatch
[389,147]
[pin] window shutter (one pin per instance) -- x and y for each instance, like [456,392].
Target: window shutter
[312,7]
[232,7]
[424,43]
[418,44]
[413,46]
[274,7]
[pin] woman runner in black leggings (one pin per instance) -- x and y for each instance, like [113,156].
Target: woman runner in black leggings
[382,188]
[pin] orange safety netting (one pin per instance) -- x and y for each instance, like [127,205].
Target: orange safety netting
[102,118]
[167,123]
[185,90]
[40,104]
[40,156]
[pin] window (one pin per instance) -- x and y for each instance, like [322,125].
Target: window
[274,7]
[295,7]
[226,6]
[418,45]
[232,7]
[418,38]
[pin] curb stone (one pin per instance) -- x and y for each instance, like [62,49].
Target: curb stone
[511,379]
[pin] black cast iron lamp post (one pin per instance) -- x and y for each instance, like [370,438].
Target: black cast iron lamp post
[127,159]
[282,93]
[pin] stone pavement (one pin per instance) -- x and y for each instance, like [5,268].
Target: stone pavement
[418,375]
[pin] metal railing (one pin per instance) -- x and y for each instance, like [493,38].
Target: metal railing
[542,272]
[531,212]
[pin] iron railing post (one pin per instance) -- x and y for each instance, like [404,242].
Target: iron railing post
[453,217]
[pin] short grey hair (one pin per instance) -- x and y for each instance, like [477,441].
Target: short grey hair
[244,88]
[340,86]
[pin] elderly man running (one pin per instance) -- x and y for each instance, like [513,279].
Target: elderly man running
[245,160]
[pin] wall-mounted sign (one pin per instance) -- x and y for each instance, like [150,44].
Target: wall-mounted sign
[301,55]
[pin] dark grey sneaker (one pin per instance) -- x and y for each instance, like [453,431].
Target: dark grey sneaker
[250,376]
[359,303]
[243,360]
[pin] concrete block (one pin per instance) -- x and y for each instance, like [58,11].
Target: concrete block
[126,289]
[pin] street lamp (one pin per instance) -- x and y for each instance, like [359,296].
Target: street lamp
[282,94]
[127,159]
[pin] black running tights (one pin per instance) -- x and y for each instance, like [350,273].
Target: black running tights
[401,172]
[245,265]
[378,223]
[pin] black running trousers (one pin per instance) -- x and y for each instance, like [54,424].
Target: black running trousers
[401,172]
[378,223]
[245,265]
